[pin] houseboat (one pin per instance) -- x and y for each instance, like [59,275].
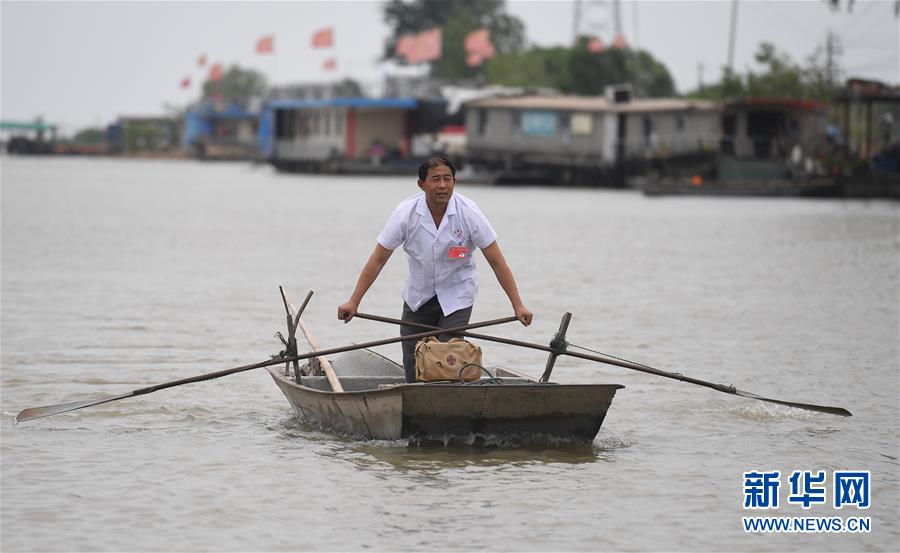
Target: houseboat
[588,140]
[768,147]
[350,134]
[218,132]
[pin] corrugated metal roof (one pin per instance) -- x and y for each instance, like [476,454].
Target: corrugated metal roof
[594,103]
[667,104]
[579,103]
[782,103]
[348,102]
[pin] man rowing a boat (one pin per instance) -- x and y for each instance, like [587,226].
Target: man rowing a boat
[439,231]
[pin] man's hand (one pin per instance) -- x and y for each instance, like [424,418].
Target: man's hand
[347,311]
[524,315]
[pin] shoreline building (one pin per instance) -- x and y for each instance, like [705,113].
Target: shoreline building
[589,140]
[220,132]
[349,134]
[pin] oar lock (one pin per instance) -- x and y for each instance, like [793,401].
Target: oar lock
[559,344]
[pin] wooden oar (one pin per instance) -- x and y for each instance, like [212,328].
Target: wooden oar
[622,363]
[38,412]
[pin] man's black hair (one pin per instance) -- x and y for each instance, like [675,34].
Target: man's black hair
[433,162]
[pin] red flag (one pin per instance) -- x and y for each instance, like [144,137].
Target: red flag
[265,45]
[323,38]
[595,46]
[201,61]
[405,45]
[330,64]
[427,46]
[186,82]
[479,42]
[478,47]
[618,42]
[474,60]
[215,72]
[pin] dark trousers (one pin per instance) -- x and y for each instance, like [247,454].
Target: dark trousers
[429,314]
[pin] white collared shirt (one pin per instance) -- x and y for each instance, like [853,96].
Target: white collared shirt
[431,269]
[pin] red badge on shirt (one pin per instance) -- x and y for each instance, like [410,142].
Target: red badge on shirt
[457,252]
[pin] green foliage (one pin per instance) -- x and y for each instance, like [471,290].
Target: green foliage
[654,79]
[590,73]
[148,135]
[90,137]
[538,67]
[579,71]
[236,85]
[348,87]
[780,78]
[457,18]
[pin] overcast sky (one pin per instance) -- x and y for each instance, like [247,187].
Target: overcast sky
[79,64]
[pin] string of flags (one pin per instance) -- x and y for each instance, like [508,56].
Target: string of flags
[265,45]
[215,72]
[414,48]
[420,47]
[324,38]
[478,47]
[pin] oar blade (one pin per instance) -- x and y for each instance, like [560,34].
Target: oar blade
[49,410]
[840,411]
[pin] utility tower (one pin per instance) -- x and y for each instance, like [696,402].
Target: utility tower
[599,18]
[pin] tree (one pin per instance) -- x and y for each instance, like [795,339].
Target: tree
[90,136]
[456,18]
[538,67]
[236,85]
[592,72]
[652,77]
[579,71]
[780,78]
[836,5]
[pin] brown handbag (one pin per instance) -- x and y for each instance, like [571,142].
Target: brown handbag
[455,360]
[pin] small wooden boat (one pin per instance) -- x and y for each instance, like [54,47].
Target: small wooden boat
[377,403]
[362,393]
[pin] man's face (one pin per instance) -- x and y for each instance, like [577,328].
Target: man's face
[438,185]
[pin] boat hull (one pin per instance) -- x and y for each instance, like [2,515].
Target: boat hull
[521,410]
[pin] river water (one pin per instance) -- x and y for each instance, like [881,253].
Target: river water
[121,274]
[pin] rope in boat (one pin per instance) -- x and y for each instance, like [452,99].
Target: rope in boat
[480,382]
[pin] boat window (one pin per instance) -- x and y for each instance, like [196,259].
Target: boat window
[565,124]
[648,127]
[581,123]
[482,121]
[540,123]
